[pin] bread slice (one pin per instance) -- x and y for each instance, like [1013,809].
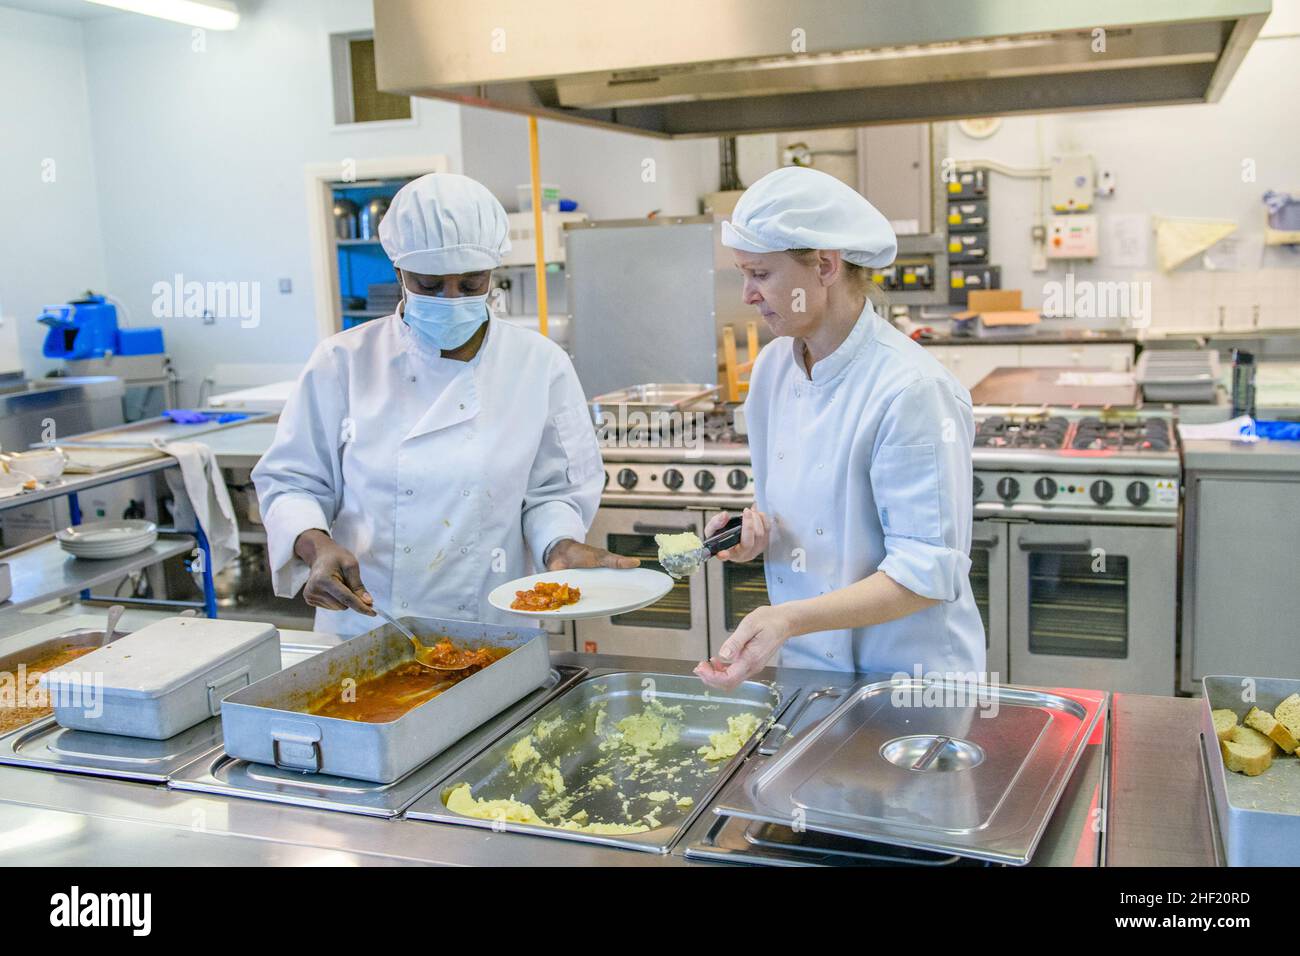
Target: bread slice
[1288,714]
[1247,751]
[1224,721]
[1271,727]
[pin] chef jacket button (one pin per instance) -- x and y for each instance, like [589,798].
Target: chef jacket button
[460,607]
[465,493]
[830,655]
[403,604]
[780,456]
[412,378]
[780,580]
[464,550]
[407,550]
[410,491]
[819,530]
[462,406]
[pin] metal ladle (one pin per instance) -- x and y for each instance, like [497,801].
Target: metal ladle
[688,562]
[114,615]
[422,653]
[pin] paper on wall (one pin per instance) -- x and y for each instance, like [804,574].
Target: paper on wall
[1177,240]
[1128,241]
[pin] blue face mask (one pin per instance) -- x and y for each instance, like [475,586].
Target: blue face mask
[447,323]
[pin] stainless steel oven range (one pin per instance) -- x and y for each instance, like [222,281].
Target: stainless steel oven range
[1075,546]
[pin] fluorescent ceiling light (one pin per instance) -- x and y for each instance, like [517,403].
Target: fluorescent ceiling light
[209,14]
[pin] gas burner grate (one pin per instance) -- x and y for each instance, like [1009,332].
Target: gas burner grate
[1140,434]
[1000,431]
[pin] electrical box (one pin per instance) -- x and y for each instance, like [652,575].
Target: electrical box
[523,249]
[1072,237]
[1074,182]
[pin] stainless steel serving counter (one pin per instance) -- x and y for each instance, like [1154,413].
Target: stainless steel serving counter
[50,818]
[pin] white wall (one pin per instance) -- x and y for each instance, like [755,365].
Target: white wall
[1174,161]
[613,175]
[201,157]
[50,246]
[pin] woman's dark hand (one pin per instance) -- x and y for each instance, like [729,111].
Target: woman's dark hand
[335,579]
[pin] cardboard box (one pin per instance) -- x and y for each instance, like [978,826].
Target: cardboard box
[997,307]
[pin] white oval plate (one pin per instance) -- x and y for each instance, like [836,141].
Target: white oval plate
[605,591]
[105,532]
[117,551]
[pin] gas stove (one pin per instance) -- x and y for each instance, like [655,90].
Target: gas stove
[1067,464]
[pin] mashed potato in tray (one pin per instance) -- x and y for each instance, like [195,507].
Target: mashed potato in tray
[461,800]
[727,743]
[655,728]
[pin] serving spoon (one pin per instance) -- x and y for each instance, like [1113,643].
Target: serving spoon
[423,654]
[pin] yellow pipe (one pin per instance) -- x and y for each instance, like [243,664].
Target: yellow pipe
[539,240]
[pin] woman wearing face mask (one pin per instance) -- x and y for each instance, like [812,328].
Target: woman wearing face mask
[430,455]
[861,443]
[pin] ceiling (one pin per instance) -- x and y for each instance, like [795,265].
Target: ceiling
[72,9]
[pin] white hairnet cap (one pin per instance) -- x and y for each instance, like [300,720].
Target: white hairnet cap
[800,208]
[445,224]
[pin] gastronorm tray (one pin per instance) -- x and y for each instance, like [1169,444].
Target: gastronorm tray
[44,745]
[40,642]
[217,772]
[1258,817]
[267,723]
[164,678]
[575,745]
[912,763]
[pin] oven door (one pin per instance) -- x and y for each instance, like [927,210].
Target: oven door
[988,581]
[735,589]
[1093,606]
[674,627]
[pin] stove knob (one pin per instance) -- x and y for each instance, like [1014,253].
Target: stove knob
[737,480]
[1008,488]
[627,479]
[704,480]
[1101,491]
[1045,488]
[1138,493]
[979,486]
[673,479]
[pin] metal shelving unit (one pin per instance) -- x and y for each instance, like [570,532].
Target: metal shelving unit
[42,571]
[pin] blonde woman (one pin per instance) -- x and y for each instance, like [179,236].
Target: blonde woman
[861,444]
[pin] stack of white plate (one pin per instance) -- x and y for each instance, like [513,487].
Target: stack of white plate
[108,539]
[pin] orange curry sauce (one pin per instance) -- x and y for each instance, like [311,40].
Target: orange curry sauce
[391,694]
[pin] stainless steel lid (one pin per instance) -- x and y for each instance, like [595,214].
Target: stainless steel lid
[927,765]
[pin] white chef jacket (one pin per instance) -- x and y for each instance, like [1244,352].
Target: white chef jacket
[865,467]
[444,478]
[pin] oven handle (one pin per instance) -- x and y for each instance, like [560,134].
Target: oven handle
[986,541]
[1078,544]
[640,527]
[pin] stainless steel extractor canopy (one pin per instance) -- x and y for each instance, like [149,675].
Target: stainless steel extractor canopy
[688,68]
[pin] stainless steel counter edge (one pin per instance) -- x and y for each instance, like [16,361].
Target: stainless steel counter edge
[65,819]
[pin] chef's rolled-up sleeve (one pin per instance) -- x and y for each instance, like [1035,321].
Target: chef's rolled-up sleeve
[299,479]
[567,476]
[921,481]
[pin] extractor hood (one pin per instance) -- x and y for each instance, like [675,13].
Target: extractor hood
[722,67]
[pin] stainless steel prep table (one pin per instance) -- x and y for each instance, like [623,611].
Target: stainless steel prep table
[66,819]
